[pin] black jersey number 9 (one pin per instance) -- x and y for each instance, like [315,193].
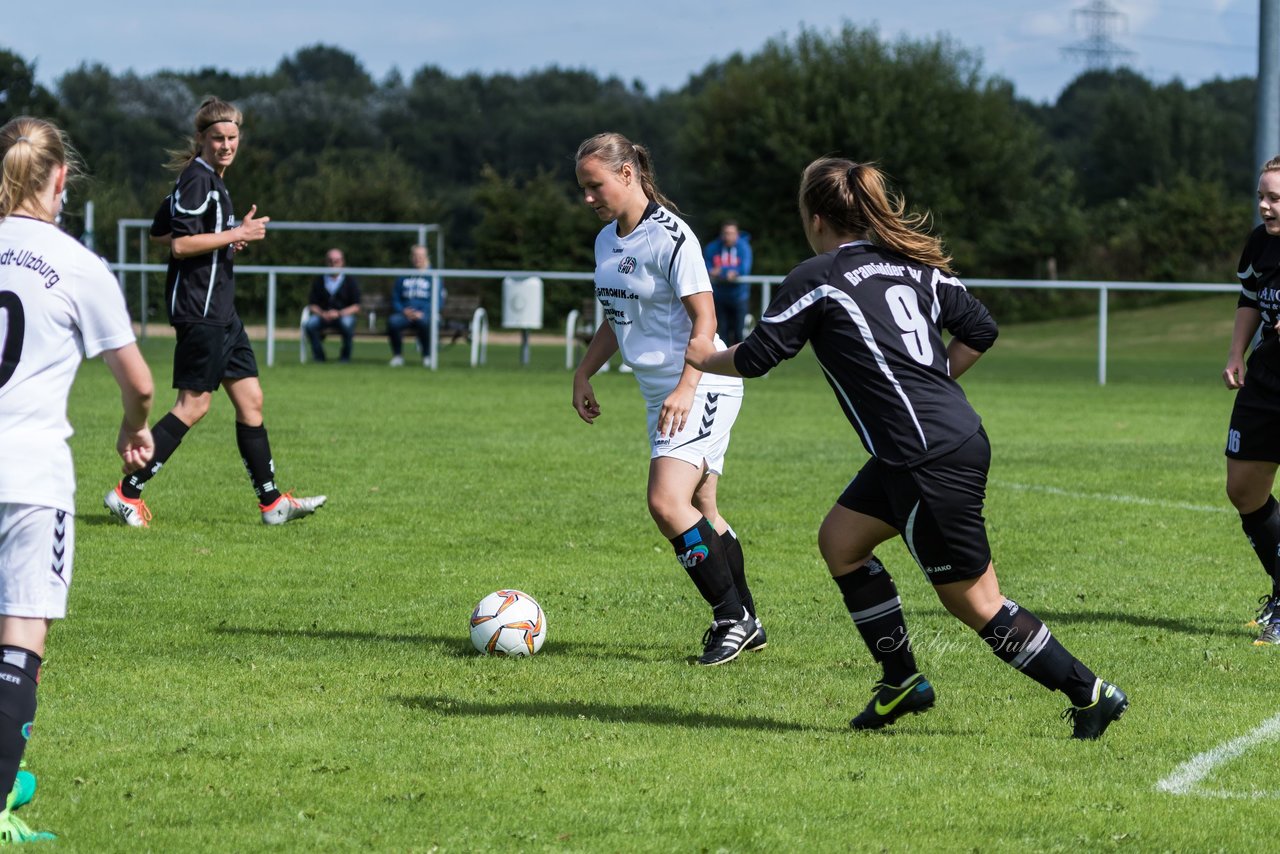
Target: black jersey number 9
[905,307]
[16,327]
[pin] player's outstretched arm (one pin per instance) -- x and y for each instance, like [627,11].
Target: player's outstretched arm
[131,373]
[702,354]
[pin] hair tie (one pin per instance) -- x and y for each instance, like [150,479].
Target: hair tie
[22,139]
[851,175]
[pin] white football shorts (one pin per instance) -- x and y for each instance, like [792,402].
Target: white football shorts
[36,547]
[705,436]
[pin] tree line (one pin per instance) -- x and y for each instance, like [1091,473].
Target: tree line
[1119,178]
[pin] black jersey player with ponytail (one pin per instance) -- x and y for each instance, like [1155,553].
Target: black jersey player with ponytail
[873,304]
[212,349]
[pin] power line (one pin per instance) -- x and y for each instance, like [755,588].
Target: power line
[1198,42]
[1200,10]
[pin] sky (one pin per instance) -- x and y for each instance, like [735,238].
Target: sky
[658,42]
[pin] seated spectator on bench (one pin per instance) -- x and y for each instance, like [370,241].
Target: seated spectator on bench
[411,307]
[334,304]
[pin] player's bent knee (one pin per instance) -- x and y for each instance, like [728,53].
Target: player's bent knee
[1247,495]
[1249,483]
[838,565]
[191,408]
[663,512]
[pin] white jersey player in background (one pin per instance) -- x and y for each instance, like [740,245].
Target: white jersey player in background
[58,303]
[656,294]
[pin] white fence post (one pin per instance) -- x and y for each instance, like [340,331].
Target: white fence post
[570,331]
[121,257]
[145,309]
[271,318]
[1102,335]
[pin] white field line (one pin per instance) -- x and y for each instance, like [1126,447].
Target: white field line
[1186,778]
[1118,499]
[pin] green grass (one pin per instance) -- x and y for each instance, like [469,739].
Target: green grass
[224,686]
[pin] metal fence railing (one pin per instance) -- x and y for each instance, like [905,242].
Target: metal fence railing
[765,283]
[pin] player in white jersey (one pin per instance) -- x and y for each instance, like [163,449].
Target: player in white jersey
[653,285]
[58,303]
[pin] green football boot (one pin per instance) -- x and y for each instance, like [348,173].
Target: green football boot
[14,831]
[24,789]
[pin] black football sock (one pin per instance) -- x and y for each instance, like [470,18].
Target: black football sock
[701,553]
[872,600]
[1262,527]
[255,453]
[167,435]
[1019,639]
[738,569]
[19,673]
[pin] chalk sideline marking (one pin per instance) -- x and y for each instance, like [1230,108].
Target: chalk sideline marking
[1118,499]
[1185,779]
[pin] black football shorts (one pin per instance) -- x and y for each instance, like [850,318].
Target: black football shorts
[1255,421]
[936,507]
[206,355]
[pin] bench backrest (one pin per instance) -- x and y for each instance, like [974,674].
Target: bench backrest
[460,306]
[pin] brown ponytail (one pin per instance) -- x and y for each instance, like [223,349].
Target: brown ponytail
[853,199]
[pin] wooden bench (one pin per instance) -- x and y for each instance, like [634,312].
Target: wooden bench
[458,316]
[371,305]
[461,317]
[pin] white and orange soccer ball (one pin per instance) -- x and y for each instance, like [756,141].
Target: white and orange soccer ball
[508,622]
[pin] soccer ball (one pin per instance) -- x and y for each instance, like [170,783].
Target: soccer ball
[508,622]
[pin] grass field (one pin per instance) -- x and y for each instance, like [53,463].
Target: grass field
[223,686]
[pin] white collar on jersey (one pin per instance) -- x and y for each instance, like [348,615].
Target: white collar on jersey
[200,160]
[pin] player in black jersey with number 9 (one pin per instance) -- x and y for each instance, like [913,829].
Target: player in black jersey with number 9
[873,304]
[1252,452]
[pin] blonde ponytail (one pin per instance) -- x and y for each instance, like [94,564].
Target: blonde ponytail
[31,150]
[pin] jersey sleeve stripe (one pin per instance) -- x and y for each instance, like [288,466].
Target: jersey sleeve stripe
[204,206]
[675,253]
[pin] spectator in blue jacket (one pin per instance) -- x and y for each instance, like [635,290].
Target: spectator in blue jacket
[334,303]
[411,306]
[728,260]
